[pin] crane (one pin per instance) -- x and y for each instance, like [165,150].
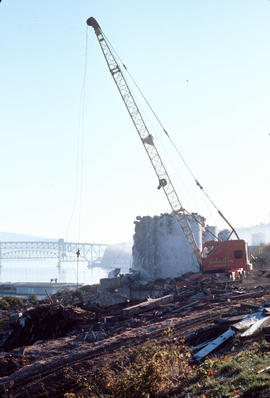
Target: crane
[164,182]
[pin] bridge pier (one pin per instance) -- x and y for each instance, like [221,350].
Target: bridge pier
[61,251]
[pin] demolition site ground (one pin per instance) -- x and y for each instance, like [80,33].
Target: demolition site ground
[201,338]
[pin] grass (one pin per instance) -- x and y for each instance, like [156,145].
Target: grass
[154,370]
[234,374]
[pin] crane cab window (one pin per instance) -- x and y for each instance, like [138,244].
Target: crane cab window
[238,254]
[207,250]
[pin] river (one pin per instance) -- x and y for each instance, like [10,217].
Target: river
[45,270]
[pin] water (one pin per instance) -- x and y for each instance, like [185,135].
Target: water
[44,270]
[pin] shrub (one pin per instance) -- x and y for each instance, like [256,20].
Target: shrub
[32,298]
[8,302]
[141,372]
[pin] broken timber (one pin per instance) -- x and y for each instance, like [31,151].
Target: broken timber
[256,326]
[248,321]
[147,305]
[213,344]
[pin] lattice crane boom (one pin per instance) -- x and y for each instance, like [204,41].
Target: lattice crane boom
[165,182]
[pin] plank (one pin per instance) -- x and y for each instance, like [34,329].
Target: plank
[199,346]
[247,321]
[214,344]
[147,305]
[255,327]
[230,319]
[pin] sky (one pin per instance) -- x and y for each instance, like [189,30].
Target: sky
[204,67]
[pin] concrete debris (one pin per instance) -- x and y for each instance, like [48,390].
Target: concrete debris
[114,273]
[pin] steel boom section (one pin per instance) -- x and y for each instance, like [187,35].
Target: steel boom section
[147,140]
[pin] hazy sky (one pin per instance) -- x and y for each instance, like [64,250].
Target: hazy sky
[203,64]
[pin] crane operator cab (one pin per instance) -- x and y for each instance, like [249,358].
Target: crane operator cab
[229,257]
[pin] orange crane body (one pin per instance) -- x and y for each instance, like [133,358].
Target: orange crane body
[229,256]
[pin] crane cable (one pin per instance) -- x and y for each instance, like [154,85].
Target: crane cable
[170,139]
[82,127]
[78,190]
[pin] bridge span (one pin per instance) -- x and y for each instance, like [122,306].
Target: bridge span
[60,250]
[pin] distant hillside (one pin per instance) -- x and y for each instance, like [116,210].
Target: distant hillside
[11,237]
[255,234]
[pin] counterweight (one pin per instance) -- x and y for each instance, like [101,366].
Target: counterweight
[182,216]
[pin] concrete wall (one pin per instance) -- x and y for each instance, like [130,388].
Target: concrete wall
[207,235]
[160,249]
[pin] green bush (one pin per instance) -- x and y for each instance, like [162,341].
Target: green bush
[4,305]
[145,371]
[9,302]
[32,298]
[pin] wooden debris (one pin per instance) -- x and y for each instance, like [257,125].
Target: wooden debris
[263,370]
[147,305]
[254,328]
[44,322]
[199,346]
[230,319]
[213,345]
[249,306]
[184,307]
[266,310]
[266,332]
[248,321]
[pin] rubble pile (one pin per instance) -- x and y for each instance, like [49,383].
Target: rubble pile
[41,323]
[4,323]
[50,338]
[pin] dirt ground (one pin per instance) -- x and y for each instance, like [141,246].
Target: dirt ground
[53,367]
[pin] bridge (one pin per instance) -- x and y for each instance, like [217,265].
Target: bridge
[60,250]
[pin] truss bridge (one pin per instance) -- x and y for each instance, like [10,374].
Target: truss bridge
[60,250]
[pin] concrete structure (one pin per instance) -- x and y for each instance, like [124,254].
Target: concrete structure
[207,235]
[160,248]
[118,290]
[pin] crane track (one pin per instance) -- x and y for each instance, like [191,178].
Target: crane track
[22,388]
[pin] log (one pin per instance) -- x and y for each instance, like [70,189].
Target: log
[147,305]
